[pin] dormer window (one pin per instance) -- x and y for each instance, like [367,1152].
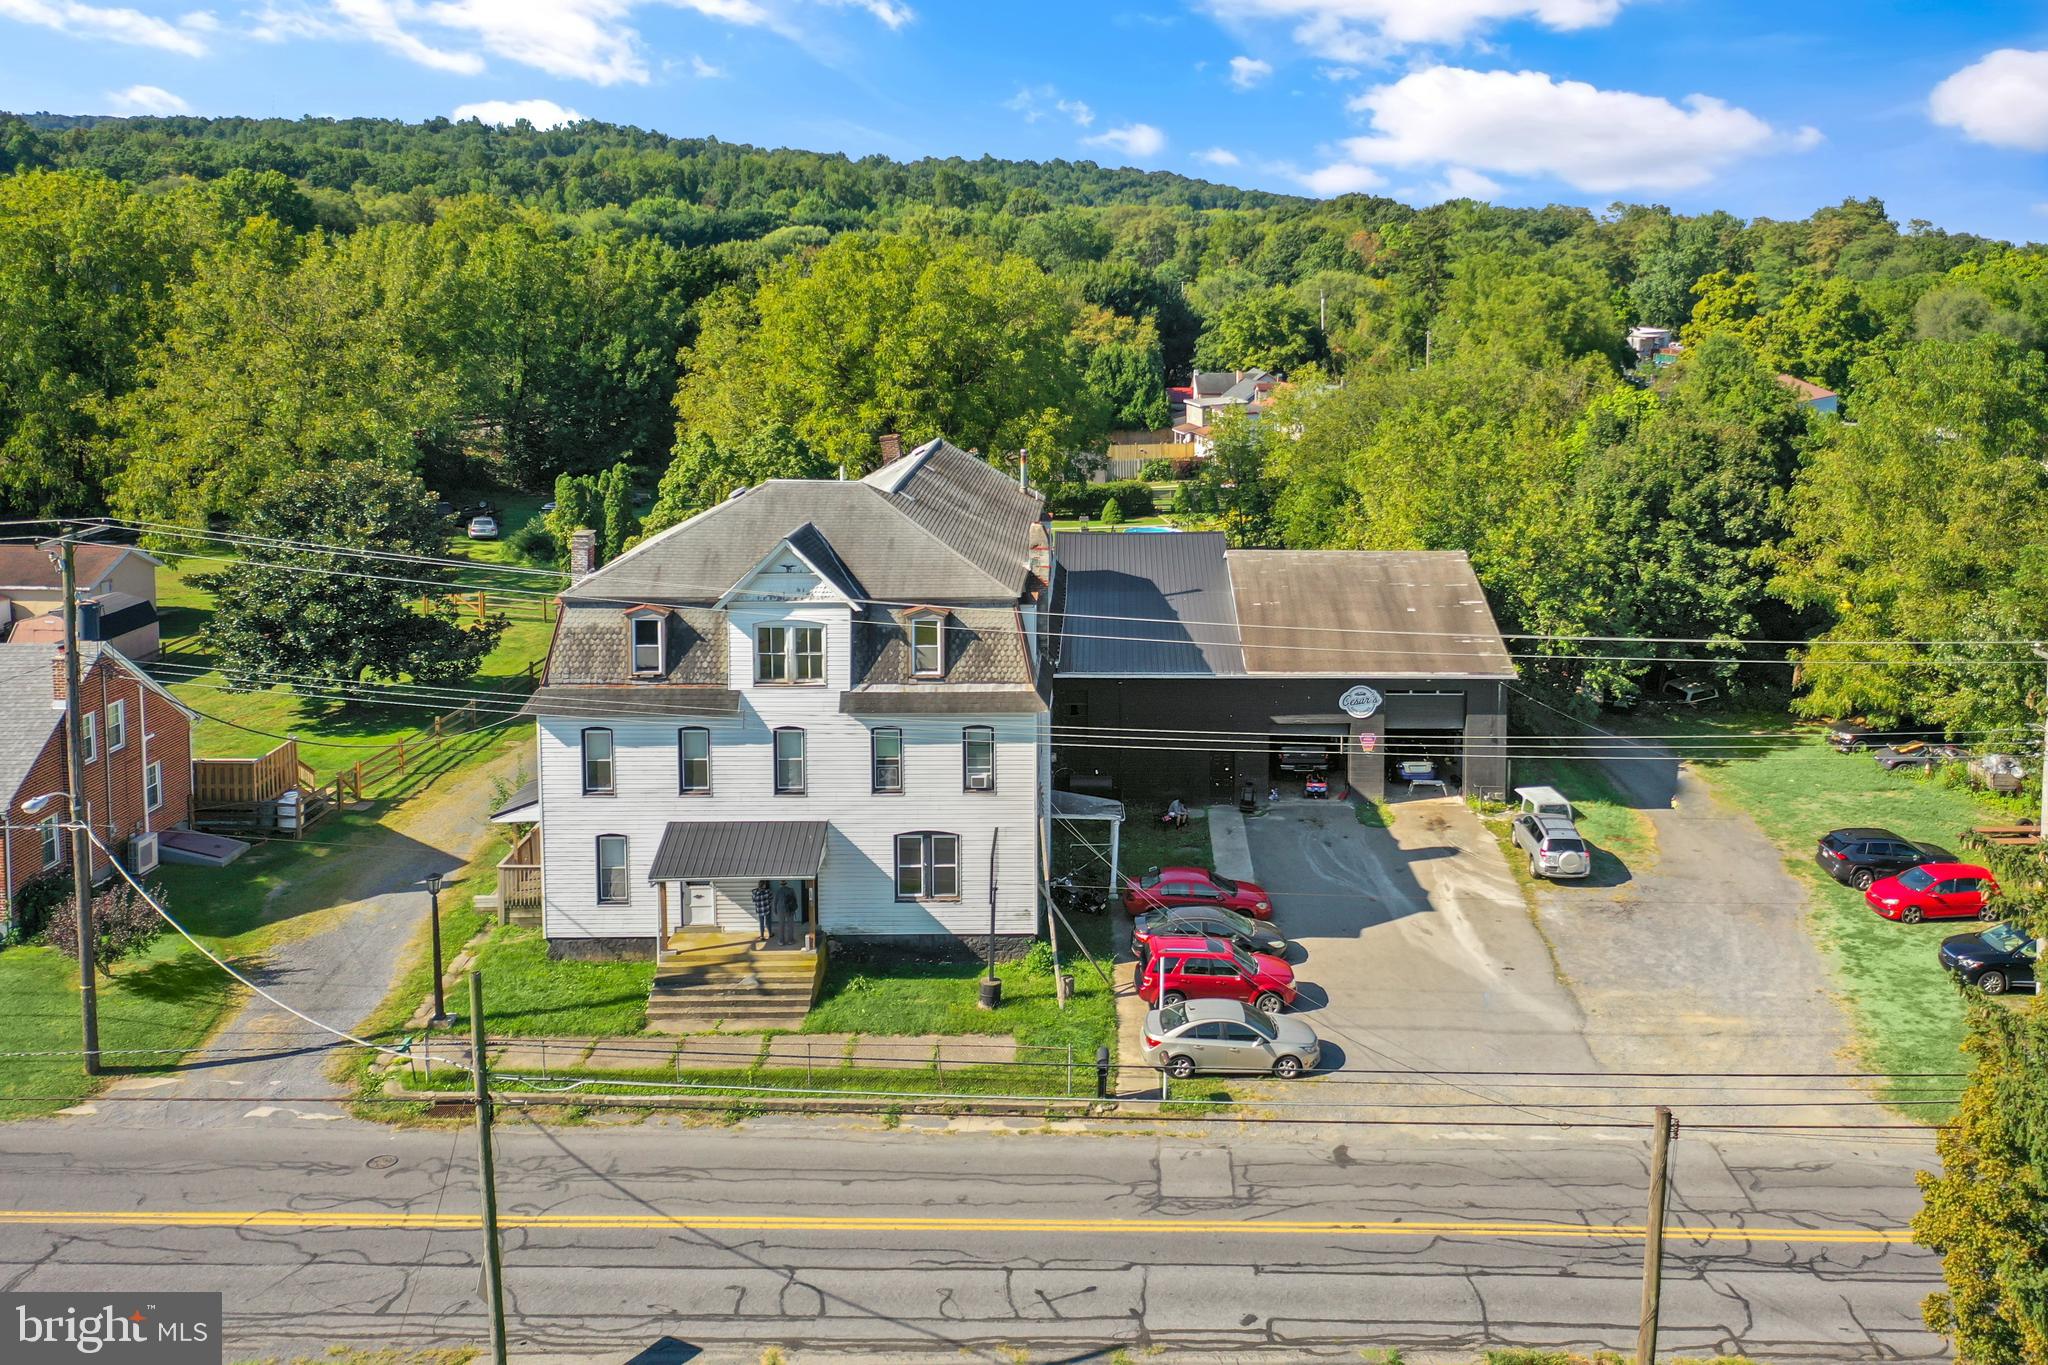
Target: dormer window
[789,654]
[647,632]
[928,646]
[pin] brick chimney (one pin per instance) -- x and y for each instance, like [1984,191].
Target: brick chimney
[892,448]
[582,554]
[57,679]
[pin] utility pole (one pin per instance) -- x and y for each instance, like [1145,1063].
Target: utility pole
[81,847]
[2041,825]
[1653,1238]
[487,1173]
[992,985]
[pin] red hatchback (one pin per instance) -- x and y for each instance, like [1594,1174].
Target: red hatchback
[1936,891]
[1163,886]
[1211,969]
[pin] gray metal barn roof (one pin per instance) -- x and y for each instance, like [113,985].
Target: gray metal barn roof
[1186,605]
[705,850]
[1147,605]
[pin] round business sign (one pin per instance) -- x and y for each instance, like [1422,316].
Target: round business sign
[1367,742]
[1360,701]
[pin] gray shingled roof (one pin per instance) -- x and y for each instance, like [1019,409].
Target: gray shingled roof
[926,700]
[1202,610]
[947,529]
[591,646]
[703,850]
[983,645]
[1366,613]
[1147,604]
[27,720]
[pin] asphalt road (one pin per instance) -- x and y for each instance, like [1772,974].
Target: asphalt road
[678,1243]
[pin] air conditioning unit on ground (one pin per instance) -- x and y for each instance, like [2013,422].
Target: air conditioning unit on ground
[142,854]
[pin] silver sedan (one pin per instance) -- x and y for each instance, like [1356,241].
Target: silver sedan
[1199,1036]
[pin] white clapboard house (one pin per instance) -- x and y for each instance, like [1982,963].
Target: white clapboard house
[837,687]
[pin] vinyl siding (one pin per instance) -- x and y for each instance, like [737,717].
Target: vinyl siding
[856,891]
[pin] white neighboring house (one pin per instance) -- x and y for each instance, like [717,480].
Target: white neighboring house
[1211,392]
[836,686]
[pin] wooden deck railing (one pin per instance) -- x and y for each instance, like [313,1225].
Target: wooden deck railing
[519,881]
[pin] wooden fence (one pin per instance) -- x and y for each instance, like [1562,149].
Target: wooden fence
[513,607]
[403,756]
[245,781]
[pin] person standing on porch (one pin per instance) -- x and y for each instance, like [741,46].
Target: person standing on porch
[785,912]
[764,907]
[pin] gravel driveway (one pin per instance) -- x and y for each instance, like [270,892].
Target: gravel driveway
[1702,960]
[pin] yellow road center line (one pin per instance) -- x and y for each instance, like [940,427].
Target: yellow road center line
[687,1222]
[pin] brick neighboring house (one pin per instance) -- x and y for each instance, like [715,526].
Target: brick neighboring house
[116,596]
[138,771]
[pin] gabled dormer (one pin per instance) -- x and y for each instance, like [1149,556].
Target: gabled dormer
[647,641]
[801,568]
[927,630]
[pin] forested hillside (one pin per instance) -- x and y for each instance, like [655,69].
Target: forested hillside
[192,309]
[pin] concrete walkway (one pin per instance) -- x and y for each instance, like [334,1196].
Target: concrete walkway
[1228,844]
[338,975]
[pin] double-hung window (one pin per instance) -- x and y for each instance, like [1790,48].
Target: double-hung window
[789,654]
[927,867]
[599,778]
[789,762]
[978,758]
[153,785]
[646,646]
[91,730]
[612,885]
[888,760]
[927,646]
[52,844]
[693,760]
[117,726]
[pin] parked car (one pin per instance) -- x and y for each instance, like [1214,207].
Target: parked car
[1212,969]
[1554,845]
[1859,857]
[1685,692]
[1545,801]
[1936,891]
[1995,960]
[1226,1036]
[1848,736]
[1164,886]
[1206,921]
[1893,757]
[483,528]
[548,506]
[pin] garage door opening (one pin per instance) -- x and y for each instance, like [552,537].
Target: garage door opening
[1297,758]
[1425,763]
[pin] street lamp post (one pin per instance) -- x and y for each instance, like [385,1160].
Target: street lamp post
[434,884]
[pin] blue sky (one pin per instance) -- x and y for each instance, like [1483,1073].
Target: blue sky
[1761,108]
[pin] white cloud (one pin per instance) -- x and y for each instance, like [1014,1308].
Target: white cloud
[1246,72]
[1525,123]
[1217,156]
[113,24]
[704,70]
[146,99]
[1462,183]
[540,113]
[588,40]
[1132,139]
[1034,102]
[2002,100]
[1344,177]
[1368,30]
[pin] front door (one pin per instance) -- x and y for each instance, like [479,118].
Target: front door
[700,909]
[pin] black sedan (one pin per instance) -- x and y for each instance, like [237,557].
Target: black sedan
[1994,961]
[1859,857]
[1208,922]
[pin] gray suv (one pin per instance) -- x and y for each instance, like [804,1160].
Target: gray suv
[1554,845]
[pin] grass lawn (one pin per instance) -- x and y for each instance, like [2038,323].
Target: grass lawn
[330,737]
[1619,832]
[528,994]
[1908,1015]
[1095,523]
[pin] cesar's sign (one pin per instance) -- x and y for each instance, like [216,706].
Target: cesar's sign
[1361,701]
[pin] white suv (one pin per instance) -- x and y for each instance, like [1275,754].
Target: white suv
[1554,845]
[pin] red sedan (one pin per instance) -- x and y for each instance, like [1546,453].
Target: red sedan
[1163,886]
[1936,891]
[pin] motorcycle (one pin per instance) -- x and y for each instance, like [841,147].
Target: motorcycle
[1079,900]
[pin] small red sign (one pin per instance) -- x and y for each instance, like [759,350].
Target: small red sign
[1367,742]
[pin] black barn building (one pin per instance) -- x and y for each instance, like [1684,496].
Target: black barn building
[1187,668]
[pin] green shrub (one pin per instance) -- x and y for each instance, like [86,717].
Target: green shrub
[39,895]
[1133,498]
[534,543]
[1156,471]
[1038,961]
[1112,512]
[123,923]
